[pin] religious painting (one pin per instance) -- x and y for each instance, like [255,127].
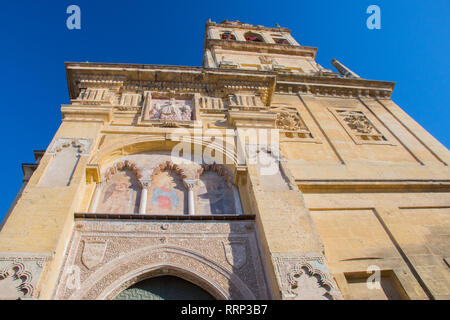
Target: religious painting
[121,194]
[214,196]
[166,194]
[170,110]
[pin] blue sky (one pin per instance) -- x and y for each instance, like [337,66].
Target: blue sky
[412,49]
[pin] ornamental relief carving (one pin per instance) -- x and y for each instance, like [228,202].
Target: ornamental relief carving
[291,124]
[290,121]
[225,254]
[357,121]
[358,126]
[304,277]
[19,274]
[82,146]
[171,110]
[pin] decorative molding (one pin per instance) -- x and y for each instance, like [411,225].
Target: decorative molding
[20,273]
[358,126]
[304,276]
[336,87]
[220,169]
[190,184]
[121,166]
[83,146]
[291,125]
[196,251]
[169,166]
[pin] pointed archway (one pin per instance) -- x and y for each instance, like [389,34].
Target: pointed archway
[166,287]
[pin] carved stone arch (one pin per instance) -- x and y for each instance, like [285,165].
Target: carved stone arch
[118,274]
[119,194]
[307,270]
[109,153]
[221,171]
[217,194]
[18,272]
[169,166]
[121,166]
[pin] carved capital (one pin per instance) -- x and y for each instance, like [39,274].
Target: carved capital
[190,183]
[145,183]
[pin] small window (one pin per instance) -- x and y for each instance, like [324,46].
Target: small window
[280,41]
[253,37]
[227,36]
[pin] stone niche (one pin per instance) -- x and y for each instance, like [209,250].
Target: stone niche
[104,257]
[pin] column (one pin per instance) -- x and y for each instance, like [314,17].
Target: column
[97,194]
[145,184]
[190,185]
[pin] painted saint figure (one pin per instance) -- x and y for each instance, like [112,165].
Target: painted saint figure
[165,198]
[119,195]
[214,196]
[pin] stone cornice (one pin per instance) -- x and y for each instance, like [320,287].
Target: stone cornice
[246,26]
[199,79]
[263,47]
[83,113]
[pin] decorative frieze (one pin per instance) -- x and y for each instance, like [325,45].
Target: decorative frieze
[95,96]
[211,104]
[333,90]
[246,102]
[130,99]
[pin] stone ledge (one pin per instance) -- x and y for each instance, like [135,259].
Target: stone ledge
[127,216]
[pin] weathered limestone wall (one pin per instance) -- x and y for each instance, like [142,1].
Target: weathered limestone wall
[41,222]
[375,203]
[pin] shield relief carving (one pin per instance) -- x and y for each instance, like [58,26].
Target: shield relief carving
[93,253]
[235,253]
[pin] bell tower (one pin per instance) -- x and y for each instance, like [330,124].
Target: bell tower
[237,45]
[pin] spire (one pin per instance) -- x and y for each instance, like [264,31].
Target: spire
[343,70]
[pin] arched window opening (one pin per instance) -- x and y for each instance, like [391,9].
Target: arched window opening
[280,41]
[215,192]
[167,194]
[164,288]
[253,37]
[227,36]
[121,191]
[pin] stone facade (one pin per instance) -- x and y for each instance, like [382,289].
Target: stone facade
[339,190]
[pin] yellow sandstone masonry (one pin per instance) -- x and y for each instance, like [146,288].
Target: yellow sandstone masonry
[354,203]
